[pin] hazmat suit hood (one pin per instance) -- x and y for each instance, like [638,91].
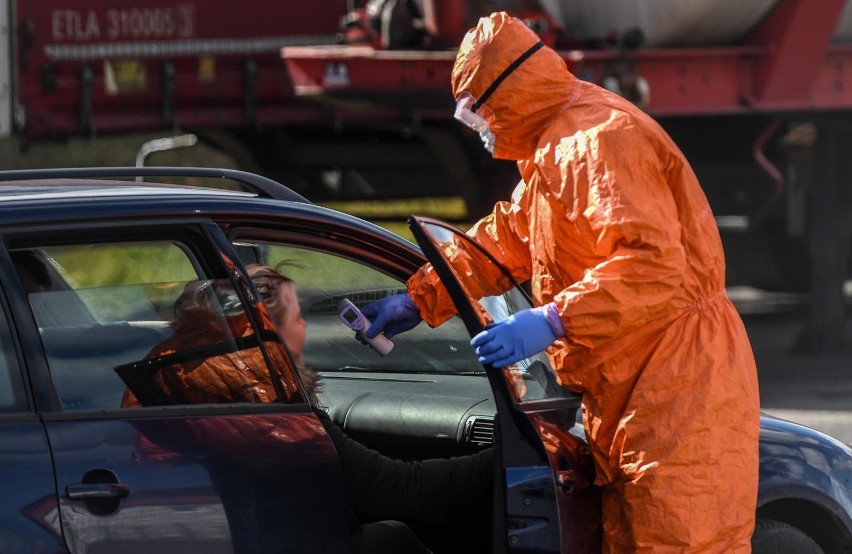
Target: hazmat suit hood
[530,96]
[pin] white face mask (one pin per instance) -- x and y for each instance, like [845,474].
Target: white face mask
[475,121]
[487,139]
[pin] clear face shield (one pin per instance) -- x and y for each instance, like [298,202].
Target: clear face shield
[477,120]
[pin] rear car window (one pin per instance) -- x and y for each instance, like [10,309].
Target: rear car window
[127,325]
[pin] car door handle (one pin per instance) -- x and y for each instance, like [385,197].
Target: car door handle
[87,491]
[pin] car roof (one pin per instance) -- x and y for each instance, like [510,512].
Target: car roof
[90,194]
[68,188]
[31,184]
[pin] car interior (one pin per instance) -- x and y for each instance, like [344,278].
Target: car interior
[428,398]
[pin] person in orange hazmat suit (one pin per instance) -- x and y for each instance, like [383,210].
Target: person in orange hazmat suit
[611,228]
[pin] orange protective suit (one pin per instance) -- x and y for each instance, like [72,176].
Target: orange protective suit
[610,223]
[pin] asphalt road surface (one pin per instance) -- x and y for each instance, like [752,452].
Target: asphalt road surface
[813,390]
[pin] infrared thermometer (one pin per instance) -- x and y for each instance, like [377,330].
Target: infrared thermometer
[352,317]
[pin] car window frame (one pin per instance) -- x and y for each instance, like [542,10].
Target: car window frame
[207,243]
[23,406]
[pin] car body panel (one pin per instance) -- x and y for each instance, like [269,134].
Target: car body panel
[802,470]
[184,472]
[223,478]
[538,414]
[29,516]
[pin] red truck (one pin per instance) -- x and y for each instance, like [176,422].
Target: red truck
[351,100]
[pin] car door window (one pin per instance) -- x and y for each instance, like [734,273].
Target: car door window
[130,324]
[323,278]
[532,381]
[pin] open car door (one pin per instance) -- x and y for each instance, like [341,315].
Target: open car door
[549,500]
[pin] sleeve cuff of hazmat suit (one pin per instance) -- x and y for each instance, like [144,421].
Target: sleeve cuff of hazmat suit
[551,314]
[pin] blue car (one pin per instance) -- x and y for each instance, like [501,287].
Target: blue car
[92,262]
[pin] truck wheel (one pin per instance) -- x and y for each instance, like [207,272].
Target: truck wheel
[776,537]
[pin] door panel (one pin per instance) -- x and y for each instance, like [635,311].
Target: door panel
[543,454]
[232,462]
[29,519]
[28,512]
[218,483]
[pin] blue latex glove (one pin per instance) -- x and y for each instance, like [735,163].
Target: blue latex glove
[392,315]
[517,337]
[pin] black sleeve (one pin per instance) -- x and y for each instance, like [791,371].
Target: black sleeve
[428,489]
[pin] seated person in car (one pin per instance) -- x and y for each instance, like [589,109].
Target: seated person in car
[377,487]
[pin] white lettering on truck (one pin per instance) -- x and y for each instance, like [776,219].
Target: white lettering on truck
[123,24]
[73,25]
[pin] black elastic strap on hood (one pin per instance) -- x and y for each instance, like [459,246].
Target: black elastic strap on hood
[500,78]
